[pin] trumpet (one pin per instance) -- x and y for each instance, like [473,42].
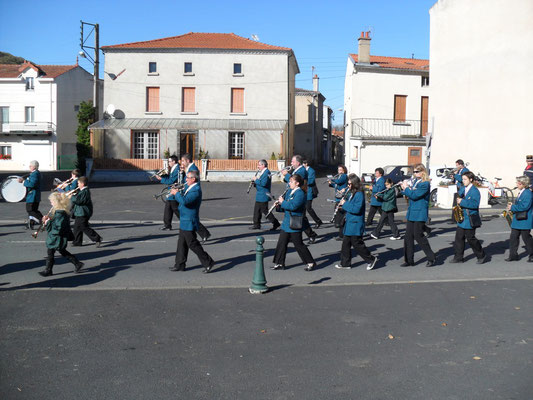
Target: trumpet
[59,183]
[252,182]
[288,168]
[166,191]
[331,177]
[275,204]
[384,190]
[161,172]
[43,225]
[73,192]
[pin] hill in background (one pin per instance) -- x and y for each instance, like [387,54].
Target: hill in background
[6,58]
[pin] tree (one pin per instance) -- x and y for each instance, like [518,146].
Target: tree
[83,145]
[6,58]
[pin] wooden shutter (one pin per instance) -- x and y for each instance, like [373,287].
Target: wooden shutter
[424,116]
[152,99]
[400,102]
[188,100]
[237,100]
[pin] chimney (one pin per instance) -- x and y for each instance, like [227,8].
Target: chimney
[315,83]
[363,55]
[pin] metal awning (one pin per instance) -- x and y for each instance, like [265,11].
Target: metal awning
[191,124]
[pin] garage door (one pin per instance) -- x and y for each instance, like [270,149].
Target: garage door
[40,150]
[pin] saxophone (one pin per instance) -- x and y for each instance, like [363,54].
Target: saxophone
[508,215]
[458,214]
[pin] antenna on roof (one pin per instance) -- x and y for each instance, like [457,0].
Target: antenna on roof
[255,38]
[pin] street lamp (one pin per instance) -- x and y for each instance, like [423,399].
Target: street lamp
[95,61]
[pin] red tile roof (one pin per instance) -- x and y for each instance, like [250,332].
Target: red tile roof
[335,132]
[397,63]
[195,40]
[46,71]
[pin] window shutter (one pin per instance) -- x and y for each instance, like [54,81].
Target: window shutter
[237,100]
[188,100]
[152,94]
[399,108]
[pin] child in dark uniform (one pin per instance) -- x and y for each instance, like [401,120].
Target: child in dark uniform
[82,210]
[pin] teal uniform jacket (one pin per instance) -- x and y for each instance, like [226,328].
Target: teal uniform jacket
[469,204]
[299,171]
[170,180]
[73,185]
[263,185]
[523,203]
[388,200]
[189,206]
[378,186]
[418,197]
[294,204]
[192,167]
[33,183]
[340,183]
[58,230]
[459,177]
[82,205]
[311,182]
[355,215]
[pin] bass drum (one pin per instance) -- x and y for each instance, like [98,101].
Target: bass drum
[13,191]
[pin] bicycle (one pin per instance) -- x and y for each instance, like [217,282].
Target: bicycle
[497,194]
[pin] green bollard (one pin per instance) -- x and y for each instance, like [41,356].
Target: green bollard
[259,281]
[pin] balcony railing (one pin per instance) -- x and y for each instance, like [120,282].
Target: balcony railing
[388,128]
[26,127]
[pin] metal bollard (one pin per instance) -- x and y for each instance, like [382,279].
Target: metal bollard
[259,281]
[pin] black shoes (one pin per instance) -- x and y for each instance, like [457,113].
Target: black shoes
[98,242]
[482,260]
[78,267]
[205,239]
[208,268]
[509,259]
[275,226]
[318,224]
[339,239]
[277,267]
[407,264]
[530,259]
[165,228]
[177,268]
[310,267]
[46,272]
[312,239]
[457,260]
[430,263]
[254,227]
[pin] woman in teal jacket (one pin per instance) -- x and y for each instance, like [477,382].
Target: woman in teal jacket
[354,227]
[293,204]
[417,215]
[57,224]
[522,207]
[468,199]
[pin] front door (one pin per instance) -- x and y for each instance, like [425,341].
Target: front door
[187,144]
[414,155]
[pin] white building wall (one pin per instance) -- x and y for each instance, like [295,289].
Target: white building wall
[481,85]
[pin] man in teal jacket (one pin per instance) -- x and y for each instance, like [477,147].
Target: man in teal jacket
[33,197]
[522,220]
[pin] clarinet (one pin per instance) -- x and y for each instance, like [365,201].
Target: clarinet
[252,182]
[275,204]
[41,228]
[338,205]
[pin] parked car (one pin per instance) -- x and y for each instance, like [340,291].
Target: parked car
[439,175]
[397,173]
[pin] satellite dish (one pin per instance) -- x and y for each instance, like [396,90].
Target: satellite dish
[110,109]
[255,38]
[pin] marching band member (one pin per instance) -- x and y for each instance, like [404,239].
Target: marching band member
[263,183]
[529,169]
[375,203]
[458,179]
[189,200]
[171,206]
[187,165]
[354,228]
[340,184]
[469,198]
[299,169]
[58,227]
[33,198]
[67,187]
[82,211]
[417,215]
[312,193]
[388,208]
[522,220]
[293,205]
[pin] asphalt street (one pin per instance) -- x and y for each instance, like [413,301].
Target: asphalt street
[128,328]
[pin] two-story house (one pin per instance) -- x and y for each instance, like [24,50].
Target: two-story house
[386,107]
[38,108]
[200,92]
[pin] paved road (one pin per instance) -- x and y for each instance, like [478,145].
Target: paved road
[128,328]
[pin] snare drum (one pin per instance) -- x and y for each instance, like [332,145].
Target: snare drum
[12,190]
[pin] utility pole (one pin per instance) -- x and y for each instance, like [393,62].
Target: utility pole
[95,61]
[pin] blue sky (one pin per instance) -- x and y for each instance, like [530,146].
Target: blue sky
[320,33]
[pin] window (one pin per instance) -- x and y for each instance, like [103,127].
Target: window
[152,99]
[237,100]
[237,69]
[145,145]
[152,67]
[187,68]
[188,100]
[425,81]
[400,102]
[4,115]
[29,83]
[30,114]
[236,145]
[5,152]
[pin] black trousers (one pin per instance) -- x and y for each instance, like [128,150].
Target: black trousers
[261,208]
[514,241]
[187,240]
[414,231]
[33,210]
[81,226]
[301,248]
[359,246]
[338,221]
[311,211]
[459,243]
[386,216]
[171,208]
[371,212]
[64,252]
